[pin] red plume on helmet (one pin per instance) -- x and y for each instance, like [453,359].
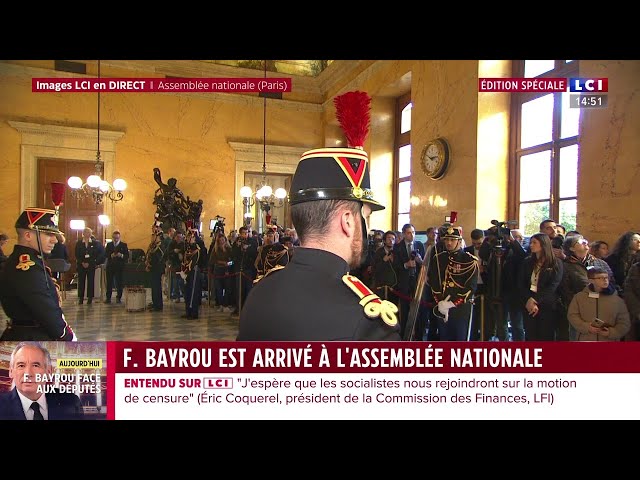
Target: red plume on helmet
[353,111]
[57,193]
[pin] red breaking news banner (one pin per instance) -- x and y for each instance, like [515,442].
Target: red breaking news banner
[391,357]
[161,85]
[301,380]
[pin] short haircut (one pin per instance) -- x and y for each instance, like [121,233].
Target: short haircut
[477,234]
[407,226]
[115,232]
[21,345]
[388,232]
[595,271]
[548,220]
[311,219]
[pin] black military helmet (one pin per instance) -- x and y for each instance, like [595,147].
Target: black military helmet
[41,219]
[333,174]
[452,232]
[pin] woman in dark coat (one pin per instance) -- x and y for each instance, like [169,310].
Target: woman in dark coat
[540,275]
[623,254]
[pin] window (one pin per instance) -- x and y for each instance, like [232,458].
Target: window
[402,162]
[544,157]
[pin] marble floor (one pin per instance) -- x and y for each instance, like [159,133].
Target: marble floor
[100,321]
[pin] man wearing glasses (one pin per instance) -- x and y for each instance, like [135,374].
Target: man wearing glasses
[598,313]
[574,277]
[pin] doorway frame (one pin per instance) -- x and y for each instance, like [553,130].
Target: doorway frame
[40,140]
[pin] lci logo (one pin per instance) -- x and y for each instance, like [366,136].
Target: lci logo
[588,84]
[218,382]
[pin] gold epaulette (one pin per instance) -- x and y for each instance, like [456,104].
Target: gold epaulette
[373,305]
[274,269]
[25,262]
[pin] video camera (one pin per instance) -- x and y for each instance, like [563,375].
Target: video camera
[501,230]
[216,225]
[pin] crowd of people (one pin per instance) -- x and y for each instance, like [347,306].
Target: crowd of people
[524,287]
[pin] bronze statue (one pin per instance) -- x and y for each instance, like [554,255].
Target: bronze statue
[172,208]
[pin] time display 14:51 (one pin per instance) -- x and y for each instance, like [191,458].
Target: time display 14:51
[588,101]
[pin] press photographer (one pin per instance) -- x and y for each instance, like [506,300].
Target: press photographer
[365,271]
[502,255]
[216,226]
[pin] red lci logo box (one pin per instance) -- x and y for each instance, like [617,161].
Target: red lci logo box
[218,382]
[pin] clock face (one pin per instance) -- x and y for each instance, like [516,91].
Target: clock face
[435,158]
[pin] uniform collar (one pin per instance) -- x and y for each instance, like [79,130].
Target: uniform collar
[323,261]
[22,249]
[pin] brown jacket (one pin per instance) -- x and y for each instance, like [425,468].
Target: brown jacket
[608,307]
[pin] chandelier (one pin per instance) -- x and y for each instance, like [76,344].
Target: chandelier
[264,194]
[96,187]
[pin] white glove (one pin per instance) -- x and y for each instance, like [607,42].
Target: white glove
[444,306]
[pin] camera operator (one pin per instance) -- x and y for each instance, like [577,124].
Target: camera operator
[244,252]
[503,256]
[365,271]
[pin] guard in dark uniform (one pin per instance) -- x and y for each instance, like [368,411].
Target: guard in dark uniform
[28,293]
[313,297]
[194,254]
[453,276]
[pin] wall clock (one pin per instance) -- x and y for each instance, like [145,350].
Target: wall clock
[435,158]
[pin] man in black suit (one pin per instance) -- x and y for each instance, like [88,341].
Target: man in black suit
[408,256]
[117,254]
[89,254]
[26,401]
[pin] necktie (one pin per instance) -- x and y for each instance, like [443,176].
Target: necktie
[35,406]
[409,249]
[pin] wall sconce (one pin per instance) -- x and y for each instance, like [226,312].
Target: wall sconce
[78,226]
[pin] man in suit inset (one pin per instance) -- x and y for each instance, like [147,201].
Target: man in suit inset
[117,253]
[26,401]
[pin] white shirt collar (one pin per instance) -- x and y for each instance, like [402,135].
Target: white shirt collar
[26,406]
